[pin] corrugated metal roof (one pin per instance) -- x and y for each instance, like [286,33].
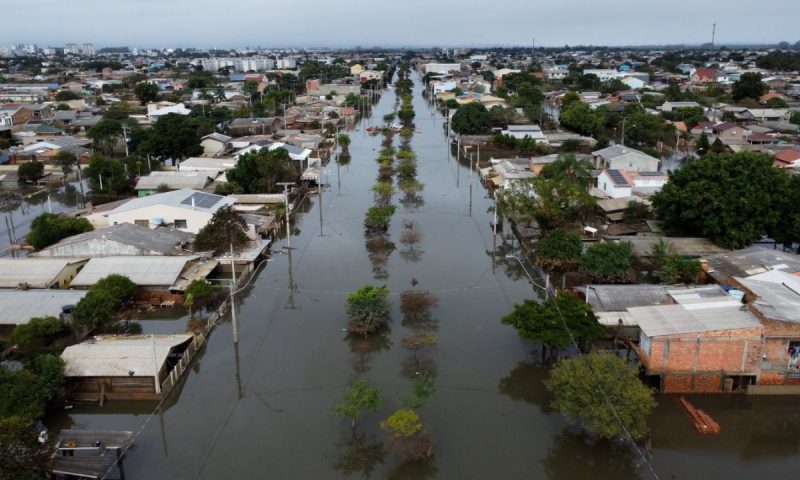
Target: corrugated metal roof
[172,199]
[185,179]
[118,356]
[143,271]
[35,272]
[616,298]
[164,241]
[19,306]
[778,294]
[678,319]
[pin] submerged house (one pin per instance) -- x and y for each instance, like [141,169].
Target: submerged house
[155,274]
[122,368]
[124,239]
[27,273]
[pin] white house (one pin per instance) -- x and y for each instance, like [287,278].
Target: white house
[185,209]
[634,82]
[442,68]
[155,114]
[615,183]
[619,157]
[439,86]
[604,74]
[205,164]
[670,106]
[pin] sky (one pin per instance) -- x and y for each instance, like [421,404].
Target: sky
[347,23]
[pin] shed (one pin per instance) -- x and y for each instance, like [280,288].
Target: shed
[158,273]
[121,367]
[19,306]
[39,272]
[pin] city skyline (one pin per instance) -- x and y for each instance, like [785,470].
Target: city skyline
[203,24]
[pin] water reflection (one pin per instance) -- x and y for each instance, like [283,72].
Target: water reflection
[572,455]
[359,454]
[526,383]
[414,470]
[364,347]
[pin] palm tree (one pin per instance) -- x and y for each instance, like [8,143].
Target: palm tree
[344,141]
[568,167]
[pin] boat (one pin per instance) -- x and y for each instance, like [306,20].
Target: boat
[373,130]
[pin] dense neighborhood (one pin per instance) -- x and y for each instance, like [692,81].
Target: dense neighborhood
[641,204]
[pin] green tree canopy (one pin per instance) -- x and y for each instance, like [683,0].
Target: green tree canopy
[109,172]
[48,228]
[261,171]
[559,251]
[146,92]
[551,202]
[730,199]
[225,228]
[580,117]
[103,301]
[608,262]
[105,134]
[368,309]
[576,383]
[545,322]
[749,85]
[360,396]
[472,119]
[37,332]
[174,136]
[29,172]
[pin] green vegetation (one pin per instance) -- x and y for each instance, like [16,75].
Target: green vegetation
[146,92]
[360,396]
[38,332]
[574,383]
[669,267]
[730,199]
[29,172]
[368,309]
[261,171]
[104,299]
[378,218]
[608,262]
[107,175]
[225,229]
[551,202]
[48,228]
[748,86]
[406,436]
[545,322]
[67,95]
[559,251]
[471,119]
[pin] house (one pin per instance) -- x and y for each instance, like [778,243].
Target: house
[154,113]
[441,68]
[19,306]
[121,367]
[120,240]
[503,173]
[634,82]
[174,180]
[788,158]
[699,344]
[240,127]
[39,272]
[185,209]
[729,132]
[154,273]
[615,183]
[613,208]
[215,144]
[620,157]
[356,69]
[521,131]
[671,106]
[693,247]
[89,454]
[206,164]
[763,115]
[295,153]
[705,75]
[725,266]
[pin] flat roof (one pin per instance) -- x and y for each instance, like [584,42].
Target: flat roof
[19,306]
[35,272]
[117,356]
[145,271]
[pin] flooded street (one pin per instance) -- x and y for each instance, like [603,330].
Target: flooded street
[264,409]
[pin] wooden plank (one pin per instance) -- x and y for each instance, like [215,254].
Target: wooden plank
[703,422]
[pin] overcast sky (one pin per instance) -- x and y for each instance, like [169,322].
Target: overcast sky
[272,23]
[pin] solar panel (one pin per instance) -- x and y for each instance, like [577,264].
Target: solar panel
[617,177]
[201,200]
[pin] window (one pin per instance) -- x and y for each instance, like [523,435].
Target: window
[142,223]
[180,223]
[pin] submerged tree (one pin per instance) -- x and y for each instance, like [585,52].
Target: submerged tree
[225,229]
[359,397]
[621,408]
[368,309]
[406,436]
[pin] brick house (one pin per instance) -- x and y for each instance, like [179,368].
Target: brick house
[699,344]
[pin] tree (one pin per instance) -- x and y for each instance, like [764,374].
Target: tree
[174,136]
[368,309]
[580,117]
[702,145]
[29,172]
[423,387]
[343,140]
[105,134]
[67,95]
[608,262]
[250,87]
[407,436]
[48,228]
[37,332]
[377,218]
[568,168]
[225,229]
[65,160]
[559,251]
[22,457]
[795,118]
[103,300]
[200,290]
[748,86]
[551,202]
[668,267]
[777,102]
[146,92]
[787,232]
[107,175]
[621,408]
[360,396]
[471,119]
[728,198]
[635,212]
[261,171]
[416,304]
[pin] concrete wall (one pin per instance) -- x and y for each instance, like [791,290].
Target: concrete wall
[195,219]
[94,248]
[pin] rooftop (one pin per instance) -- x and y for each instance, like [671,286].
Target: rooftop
[778,294]
[182,198]
[694,318]
[164,241]
[149,271]
[35,272]
[19,306]
[114,356]
[751,261]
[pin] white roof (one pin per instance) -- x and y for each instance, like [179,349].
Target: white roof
[118,356]
[203,163]
[36,272]
[174,179]
[143,271]
[180,109]
[182,198]
[692,318]
[19,306]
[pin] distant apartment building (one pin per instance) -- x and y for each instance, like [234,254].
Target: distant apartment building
[88,49]
[286,64]
[441,68]
[244,64]
[72,49]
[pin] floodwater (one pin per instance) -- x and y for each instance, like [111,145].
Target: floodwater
[263,409]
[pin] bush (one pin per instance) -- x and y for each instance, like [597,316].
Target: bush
[200,290]
[559,251]
[47,229]
[103,301]
[368,309]
[36,332]
[378,218]
[608,262]
[29,172]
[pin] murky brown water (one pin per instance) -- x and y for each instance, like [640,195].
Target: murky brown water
[264,410]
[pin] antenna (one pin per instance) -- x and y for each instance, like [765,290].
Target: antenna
[713,35]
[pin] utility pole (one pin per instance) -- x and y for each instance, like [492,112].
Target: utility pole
[319,185]
[233,301]
[622,140]
[713,35]
[125,138]
[287,209]
[155,364]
